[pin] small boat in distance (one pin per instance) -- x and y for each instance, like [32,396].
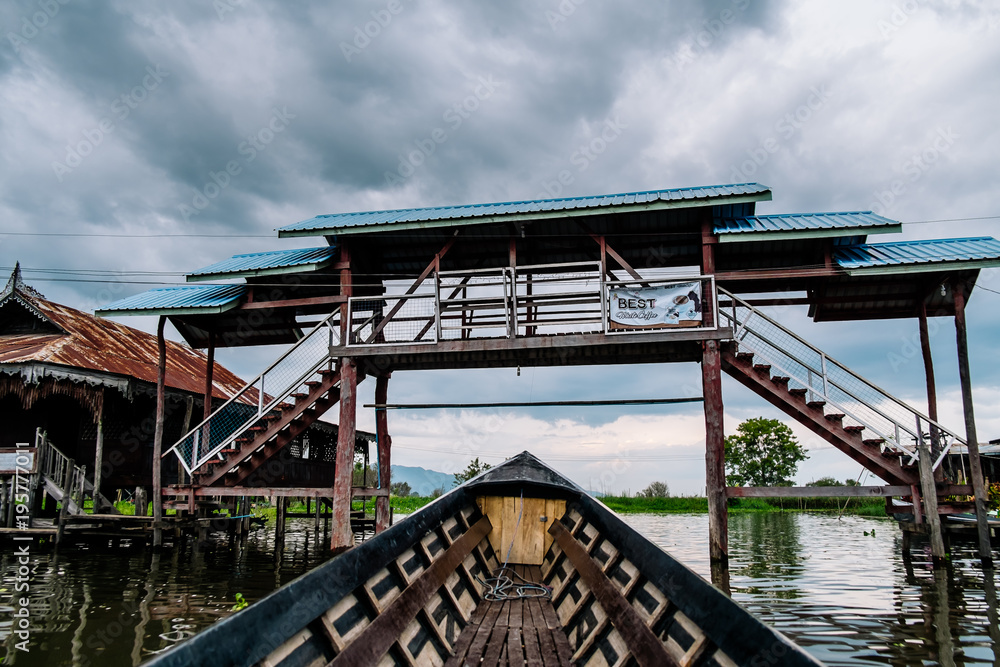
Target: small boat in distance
[518,566]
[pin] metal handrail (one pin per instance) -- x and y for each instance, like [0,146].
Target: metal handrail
[263,401]
[742,326]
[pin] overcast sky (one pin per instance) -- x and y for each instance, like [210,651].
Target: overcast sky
[118,121]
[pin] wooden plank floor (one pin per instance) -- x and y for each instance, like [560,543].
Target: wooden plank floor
[514,633]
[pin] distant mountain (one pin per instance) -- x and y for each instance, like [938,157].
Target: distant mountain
[421,480]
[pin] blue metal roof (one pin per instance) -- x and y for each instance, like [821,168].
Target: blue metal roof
[361,222]
[902,256]
[267,263]
[798,225]
[179,300]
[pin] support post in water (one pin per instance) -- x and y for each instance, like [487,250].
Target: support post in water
[383,444]
[975,467]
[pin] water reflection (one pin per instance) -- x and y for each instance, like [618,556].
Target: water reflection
[841,588]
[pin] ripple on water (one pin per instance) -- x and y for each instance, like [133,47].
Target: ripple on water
[840,588]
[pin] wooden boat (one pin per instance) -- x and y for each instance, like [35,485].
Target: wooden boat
[580,587]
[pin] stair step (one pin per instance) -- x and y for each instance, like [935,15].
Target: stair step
[326,372]
[894,452]
[835,416]
[816,405]
[745,357]
[798,391]
[228,451]
[780,379]
[762,368]
[854,429]
[313,383]
[299,396]
[874,442]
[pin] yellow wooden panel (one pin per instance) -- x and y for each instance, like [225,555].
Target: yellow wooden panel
[529,542]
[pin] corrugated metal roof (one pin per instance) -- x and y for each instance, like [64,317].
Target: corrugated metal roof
[179,300]
[799,225]
[360,222]
[267,263]
[927,255]
[105,346]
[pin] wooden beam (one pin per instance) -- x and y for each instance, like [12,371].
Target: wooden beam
[293,303]
[98,454]
[385,629]
[776,274]
[925,350]
[531,404]
[642,643]
[434,263]
[929,493]
[887,491]
[975,466]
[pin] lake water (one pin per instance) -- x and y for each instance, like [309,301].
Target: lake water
[848,597]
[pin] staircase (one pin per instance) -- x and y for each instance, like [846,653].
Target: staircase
[266,414]
[876,429]
[65,481]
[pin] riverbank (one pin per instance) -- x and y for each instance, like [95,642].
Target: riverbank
[634,505]
[687,504]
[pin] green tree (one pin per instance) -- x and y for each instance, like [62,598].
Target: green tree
[763,452]
[400,489]
[825,481]
[473,469]
[656,490]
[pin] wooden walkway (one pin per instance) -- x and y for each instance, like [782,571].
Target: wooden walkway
[514,633]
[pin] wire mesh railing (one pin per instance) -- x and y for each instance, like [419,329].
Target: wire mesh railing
[262,398]
[883,415]
[532,300]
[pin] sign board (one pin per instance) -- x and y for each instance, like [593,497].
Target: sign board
[17,461]
[659,307]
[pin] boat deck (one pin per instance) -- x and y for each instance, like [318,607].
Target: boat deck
[514,632]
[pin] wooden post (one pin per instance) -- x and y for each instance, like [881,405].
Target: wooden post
[929,492]
[932,412]
[975,467]
[384,443]
[715,458]
[341,536]
[99,454]
[161,375]
[715,437]
[140,501]
[281,506]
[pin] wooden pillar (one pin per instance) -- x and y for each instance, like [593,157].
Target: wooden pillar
[715,437]
[140,501]
[384,444]
[929,493]
[715,458]
[281,507]
[925,348]
[209,376]
[975,467]
[161,374]
[341,536]
[99,454]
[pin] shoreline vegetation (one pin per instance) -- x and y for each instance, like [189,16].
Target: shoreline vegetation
[695,504]
[638,505]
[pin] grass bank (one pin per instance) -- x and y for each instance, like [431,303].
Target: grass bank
[633,505]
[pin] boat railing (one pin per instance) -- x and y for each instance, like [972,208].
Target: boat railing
[262,397]
[883,415]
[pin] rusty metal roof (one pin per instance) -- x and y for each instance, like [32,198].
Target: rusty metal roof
[103,346]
